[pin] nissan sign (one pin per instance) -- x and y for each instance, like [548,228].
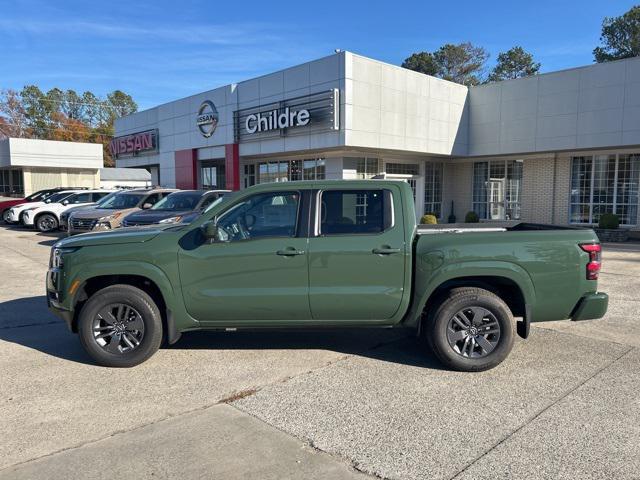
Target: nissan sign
[207,119]
[134,144]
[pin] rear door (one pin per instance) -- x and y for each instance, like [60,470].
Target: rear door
[357,255]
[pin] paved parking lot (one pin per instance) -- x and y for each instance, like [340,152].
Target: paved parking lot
[349,404]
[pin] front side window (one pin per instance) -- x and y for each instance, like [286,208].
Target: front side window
[604,184]
[497,189]
[355,212]
[259,216]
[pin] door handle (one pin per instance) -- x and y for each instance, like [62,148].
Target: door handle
[290,252]
[385,251]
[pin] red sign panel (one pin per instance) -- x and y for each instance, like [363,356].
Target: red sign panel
[134,144]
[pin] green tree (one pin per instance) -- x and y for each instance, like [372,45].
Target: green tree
[119,104]
[620,37]
[462,63]
[514,63]
[73,106]
[422,62]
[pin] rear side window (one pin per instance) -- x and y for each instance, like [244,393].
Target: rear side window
[344,212]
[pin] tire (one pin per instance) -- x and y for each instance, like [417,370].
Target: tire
[147,322]
[5,217]
[46,222]
[461,343]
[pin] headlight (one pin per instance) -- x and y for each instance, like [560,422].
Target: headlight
[108,218]
[171,219]
[57,256]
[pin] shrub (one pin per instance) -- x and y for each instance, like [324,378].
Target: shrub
[429,219]
[471,217]
[608,221]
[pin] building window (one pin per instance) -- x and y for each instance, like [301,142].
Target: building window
[363,167]
[433,188]
[16,182]
[291,170]
[497,186]
[212,175]
[4,181]
[402,169]
[249,175]
[604,184]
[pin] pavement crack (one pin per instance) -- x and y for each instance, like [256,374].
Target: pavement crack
[26,325]
[540,412]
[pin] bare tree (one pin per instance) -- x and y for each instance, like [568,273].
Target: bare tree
[13,118]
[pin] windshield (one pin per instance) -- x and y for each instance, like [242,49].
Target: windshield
[57,197]
[107,197]
[122,201]
[39,196]
[179,201]
[225,198]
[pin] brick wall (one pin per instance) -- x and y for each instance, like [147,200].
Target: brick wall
[457,186]
[537,190]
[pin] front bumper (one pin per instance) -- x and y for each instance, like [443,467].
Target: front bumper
[27,218]
[54,299]
[591,306]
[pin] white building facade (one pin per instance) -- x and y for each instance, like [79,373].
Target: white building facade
[561,147]
[28,165]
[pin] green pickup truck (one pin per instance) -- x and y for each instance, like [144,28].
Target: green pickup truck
[323,254]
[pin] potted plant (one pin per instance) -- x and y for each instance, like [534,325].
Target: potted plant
[429,219]
[608,229]
[471,217]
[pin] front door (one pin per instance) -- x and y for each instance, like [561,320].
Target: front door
[357,256]
[256,270]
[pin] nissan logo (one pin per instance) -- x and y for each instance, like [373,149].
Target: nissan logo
[207,119]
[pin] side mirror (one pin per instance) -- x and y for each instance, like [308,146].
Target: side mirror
[210,231]
[66,202]
[147,206]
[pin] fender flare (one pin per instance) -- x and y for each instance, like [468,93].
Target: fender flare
[501,269]
[172,299]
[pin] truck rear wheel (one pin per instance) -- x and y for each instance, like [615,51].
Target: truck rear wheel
[120,326]
[471,330]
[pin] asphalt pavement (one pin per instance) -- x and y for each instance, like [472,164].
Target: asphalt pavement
[332,404]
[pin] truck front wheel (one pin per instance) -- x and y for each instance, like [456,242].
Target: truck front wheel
[471,330]
[120,326]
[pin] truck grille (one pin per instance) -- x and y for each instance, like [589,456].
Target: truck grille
[82,224]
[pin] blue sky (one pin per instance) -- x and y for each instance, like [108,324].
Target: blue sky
[160,51]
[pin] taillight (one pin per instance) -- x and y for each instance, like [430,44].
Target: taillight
[595,263]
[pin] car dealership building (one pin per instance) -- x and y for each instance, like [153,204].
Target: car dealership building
[560,147]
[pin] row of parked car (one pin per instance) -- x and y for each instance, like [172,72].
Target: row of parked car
[79,210]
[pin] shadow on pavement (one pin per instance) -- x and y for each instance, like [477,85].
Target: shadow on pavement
[40,330]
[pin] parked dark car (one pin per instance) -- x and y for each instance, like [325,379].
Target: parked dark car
[179,207]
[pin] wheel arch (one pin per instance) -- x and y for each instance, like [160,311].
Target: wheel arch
[94,284]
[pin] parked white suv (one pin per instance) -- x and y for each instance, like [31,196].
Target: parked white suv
[46,218]
[16,214]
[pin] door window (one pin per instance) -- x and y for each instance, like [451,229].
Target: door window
[344,212]
[259,216]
